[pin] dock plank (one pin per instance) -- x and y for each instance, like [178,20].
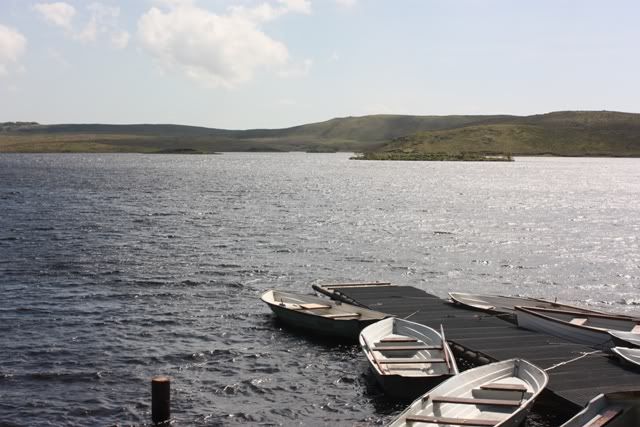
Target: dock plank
[576,382]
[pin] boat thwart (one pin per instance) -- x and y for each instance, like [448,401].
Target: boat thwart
[406,358]
[497,394]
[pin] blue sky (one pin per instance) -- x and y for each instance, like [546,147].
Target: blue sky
[276,63]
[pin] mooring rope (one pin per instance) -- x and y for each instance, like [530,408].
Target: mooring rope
[415,312]
[583,354]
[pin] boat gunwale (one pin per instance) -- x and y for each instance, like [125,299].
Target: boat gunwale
[621,336]
[317,315]
[375,362]
[532,310]
[524,406]
[605,397]
[582,310]
[625,356]
[603,331]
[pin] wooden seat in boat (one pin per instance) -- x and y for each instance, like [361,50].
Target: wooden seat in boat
[397,339]
[314,306]
[341,315]
[475,401]
[603,419]
[506,387]
[578,321]
[450,421]
[405,348]
[398,360]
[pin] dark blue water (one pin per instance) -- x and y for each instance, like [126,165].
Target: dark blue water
[115,268]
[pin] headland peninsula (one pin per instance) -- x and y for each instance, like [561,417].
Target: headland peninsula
[385,137]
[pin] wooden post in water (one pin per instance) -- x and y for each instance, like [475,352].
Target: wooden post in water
[160,399]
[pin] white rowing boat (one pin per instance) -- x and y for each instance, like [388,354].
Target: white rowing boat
[631,355]
[585,328]
[497,394]
[619,409]
[500,304]
[625,339]
[320,315]
[406,358]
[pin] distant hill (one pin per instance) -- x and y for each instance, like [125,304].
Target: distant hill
[571,133]
[559,133]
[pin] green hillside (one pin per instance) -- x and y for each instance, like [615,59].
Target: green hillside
[558,134]
[572,133]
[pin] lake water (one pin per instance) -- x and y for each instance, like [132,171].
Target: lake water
[115,268]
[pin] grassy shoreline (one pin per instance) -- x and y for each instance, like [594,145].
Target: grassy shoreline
[457,157]
[562,133]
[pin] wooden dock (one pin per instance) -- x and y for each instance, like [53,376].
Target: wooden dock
[579,373]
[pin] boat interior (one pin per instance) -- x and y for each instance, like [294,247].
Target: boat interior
[323,307]
[488,404]
[620,323]
[614,410]
[398,349]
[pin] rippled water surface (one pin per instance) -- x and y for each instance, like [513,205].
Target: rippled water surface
[115,268]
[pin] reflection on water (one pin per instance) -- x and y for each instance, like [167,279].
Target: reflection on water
[114,268]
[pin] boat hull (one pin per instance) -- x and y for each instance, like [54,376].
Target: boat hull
[629,355]
[329,328]
[505,305]
[625,339]
[574,333]
[625,406]
[401,388]
[464,385]
[406,381]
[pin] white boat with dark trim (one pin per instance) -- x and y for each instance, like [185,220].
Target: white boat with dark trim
[585,328]
[618,409]
[497,394]
[630,355]
[501,304]
[320,315]
[406,358]
[625,339]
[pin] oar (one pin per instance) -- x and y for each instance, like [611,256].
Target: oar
[373,356]
[444,348]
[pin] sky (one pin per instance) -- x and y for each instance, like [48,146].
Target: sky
[278,63]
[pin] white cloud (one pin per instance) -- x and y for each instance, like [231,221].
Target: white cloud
[300,6]
[102,20]
[266,12]
[120,39]
[12,46]
[346,3]
[218,50]
[60,14]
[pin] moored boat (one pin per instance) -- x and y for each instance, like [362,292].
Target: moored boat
[625,339]
[618,409]
[500,304]
[497,394]
[584,328]
[320,316]
[406,358]
[630,355]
